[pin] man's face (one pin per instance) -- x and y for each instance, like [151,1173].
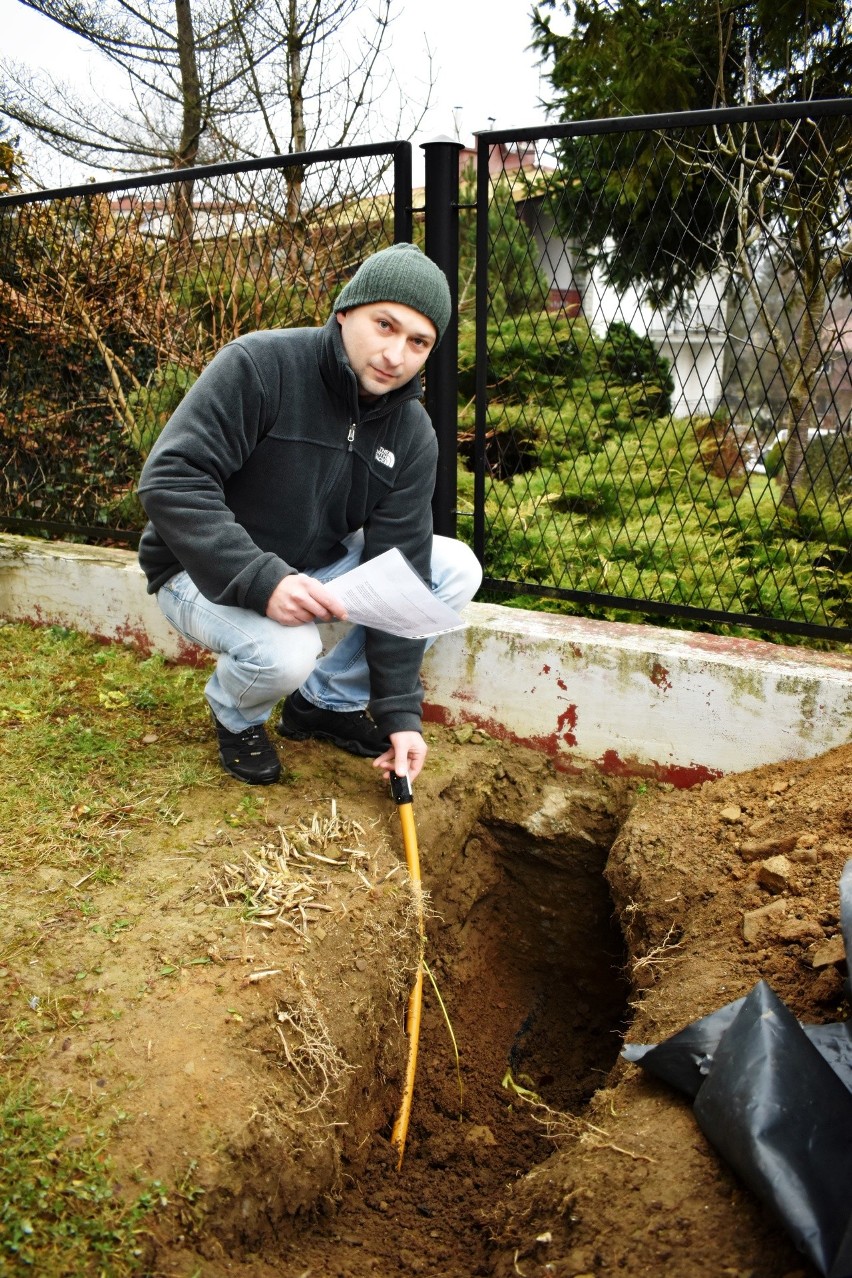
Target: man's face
[386,343]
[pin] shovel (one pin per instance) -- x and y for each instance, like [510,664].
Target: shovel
[401,792]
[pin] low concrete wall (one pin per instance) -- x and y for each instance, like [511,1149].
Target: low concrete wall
[629,699]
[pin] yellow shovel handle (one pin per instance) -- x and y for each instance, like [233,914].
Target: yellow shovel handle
[415,1001]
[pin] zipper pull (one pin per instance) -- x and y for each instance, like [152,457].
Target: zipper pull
[351,436]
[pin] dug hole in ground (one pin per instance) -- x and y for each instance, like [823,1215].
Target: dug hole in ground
[248,1024]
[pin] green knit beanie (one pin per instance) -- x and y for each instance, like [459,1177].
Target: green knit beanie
[401,274]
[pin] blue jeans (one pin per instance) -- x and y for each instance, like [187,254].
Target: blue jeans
[260,661]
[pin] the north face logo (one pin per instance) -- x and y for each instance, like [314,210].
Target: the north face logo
[385,456]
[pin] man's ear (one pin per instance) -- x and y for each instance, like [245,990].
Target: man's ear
[341,315]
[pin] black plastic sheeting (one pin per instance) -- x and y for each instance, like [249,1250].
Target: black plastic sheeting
[774,1098]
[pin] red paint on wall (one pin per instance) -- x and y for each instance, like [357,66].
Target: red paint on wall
[552,745]
[188,654]
[133,637]
[660,677]
[569,718]
[438,714]
[136,637]
[681,776]
[548,744]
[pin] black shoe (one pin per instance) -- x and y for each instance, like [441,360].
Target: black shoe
[249,756]
[352,730]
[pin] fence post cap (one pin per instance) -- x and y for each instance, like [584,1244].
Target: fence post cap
[442,140]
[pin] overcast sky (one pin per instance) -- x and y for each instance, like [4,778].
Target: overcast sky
[486,76]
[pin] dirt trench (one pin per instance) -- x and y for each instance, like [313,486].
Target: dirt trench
[244,1037]
[527,962]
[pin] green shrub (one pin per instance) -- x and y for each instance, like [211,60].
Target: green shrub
[539,357]
[828,462]
[151,406]
[224,300]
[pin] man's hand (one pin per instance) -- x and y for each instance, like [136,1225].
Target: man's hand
[298,598]
[406,755]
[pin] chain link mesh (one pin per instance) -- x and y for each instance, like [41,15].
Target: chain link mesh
[113,299]
[665,367]
[655,358]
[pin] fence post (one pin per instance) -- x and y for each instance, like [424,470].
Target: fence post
[442,246]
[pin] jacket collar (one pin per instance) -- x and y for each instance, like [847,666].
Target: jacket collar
[338,376]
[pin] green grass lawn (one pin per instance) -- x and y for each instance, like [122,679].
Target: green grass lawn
[95,742]
[635,514]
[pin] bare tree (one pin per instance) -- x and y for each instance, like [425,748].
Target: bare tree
[174,69]
[785,201]
[215,79]
[738,199]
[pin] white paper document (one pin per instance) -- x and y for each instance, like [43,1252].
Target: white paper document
[386,593]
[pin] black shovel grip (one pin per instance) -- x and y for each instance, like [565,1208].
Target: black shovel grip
[400,789]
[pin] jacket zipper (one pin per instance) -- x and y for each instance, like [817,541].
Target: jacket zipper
[351,437]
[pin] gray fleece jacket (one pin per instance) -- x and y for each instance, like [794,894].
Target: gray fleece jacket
[269,462]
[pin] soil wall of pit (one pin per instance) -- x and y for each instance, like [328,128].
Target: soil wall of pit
[717,888]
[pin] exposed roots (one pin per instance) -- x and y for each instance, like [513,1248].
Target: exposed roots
[310,1052]
[561,1127]
[646,969]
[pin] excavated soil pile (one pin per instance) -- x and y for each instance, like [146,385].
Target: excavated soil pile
[243,1031]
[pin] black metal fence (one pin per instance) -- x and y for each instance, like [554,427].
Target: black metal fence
[114,296]
[644,407]
[662,374]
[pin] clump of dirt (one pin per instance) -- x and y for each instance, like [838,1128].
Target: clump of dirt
[239,1013]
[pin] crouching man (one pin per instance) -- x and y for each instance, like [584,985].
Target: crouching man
[296,455]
